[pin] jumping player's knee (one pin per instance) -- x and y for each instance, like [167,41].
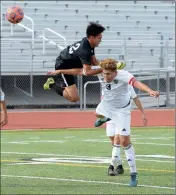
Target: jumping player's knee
[74,99]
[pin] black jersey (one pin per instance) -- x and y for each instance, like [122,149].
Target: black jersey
[77,54]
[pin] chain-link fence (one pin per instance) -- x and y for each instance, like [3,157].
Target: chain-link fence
[161,80]
[22,93]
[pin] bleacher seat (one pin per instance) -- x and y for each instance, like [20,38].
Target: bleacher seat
[141,23]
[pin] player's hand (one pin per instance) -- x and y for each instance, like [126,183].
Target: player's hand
[154,93]
[4,121]
[120,65]
[53,72]
[144,119]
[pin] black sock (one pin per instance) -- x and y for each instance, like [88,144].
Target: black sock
[51,85]
[59,90]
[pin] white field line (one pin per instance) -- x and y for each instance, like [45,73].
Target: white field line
[90,157]
[33,163]
[85,181]
[39,141]
[44,154]
[34,138]
[105,141]
[148,160]
[69,137]
[87,140]
[154,144]
[153,138]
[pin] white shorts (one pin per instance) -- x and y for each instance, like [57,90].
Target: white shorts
[120,120]
[111,130]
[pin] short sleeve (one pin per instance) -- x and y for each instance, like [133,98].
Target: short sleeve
[133,93]
[126,77]
[2,95]
[86,57]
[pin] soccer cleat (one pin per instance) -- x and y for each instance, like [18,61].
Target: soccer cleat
[101,121]
[111,171]
[120,169]
[49,81]
[134,179]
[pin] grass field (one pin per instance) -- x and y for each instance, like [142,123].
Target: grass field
[76,162]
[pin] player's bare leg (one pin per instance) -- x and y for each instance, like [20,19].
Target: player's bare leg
[111,139]
[130,156]
[71,93]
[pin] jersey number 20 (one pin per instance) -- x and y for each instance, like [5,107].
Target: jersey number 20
[74,48]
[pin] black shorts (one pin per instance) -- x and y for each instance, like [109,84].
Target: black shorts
[64,79]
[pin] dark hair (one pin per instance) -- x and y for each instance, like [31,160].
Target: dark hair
[93,29]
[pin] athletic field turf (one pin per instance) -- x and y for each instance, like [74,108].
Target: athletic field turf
[76,161]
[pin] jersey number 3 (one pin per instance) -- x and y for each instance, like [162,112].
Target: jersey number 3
[74,48]
[108,86]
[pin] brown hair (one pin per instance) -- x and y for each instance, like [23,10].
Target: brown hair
[109,64]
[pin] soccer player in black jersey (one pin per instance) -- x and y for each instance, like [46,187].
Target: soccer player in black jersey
[76,59]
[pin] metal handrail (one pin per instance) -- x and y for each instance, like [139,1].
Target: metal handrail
[85,90]
[52,42]
[27,28]
[1,16]
[163,70]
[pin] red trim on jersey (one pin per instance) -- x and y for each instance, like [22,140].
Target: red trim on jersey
[131,81]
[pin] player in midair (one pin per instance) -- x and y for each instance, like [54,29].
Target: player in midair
[76,59]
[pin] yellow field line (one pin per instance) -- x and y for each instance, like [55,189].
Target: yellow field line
[94,166]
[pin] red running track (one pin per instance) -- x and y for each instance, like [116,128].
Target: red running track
[81,119]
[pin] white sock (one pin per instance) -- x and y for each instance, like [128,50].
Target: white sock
[115,155]
[130,156]
[119,159]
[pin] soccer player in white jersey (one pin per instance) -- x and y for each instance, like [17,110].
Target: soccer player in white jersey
[4,117]
[115,106]
[111,131]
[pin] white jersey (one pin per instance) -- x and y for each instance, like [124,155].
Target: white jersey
[117,94]
[2,95]
[133,93]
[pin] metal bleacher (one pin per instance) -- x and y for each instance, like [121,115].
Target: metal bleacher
[141,23]
[139,32]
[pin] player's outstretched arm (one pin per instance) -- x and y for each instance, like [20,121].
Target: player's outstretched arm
[140,107]
[90,72]
[145,88]
[75,71]
[94,61]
